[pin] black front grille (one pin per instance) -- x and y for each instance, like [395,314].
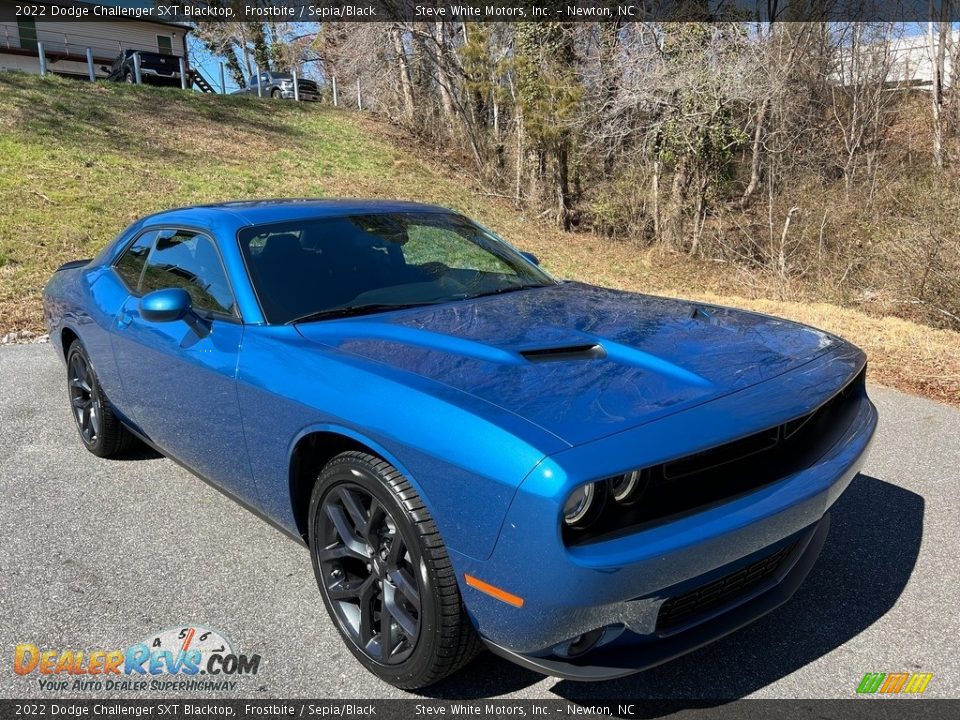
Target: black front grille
[681,609]
[704,479]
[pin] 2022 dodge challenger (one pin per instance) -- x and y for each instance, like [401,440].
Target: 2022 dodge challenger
[589,482]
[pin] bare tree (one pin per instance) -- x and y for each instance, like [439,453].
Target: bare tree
[940,35]
[861,102]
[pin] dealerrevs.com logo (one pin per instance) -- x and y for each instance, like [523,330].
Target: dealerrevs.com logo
[185,658]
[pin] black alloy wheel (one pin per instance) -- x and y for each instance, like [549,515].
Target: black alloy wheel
[100,430]
[384,573]
[368,574]
[84,400]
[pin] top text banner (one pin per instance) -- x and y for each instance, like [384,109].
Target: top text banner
[492,11]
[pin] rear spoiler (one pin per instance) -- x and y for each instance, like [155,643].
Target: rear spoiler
[74,264]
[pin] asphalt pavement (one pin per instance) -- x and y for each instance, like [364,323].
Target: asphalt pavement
[103,553]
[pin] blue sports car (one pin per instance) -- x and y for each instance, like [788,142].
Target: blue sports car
[588,482]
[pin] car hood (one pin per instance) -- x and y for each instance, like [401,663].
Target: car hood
[579,361]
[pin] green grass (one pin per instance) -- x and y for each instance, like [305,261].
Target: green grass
[79,161]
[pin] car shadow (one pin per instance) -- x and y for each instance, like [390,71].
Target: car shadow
[875,533]
[138,451]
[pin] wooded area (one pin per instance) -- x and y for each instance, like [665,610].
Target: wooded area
[810,159]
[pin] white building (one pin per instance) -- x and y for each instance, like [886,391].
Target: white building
[912,60]
[904,61]
[65,42]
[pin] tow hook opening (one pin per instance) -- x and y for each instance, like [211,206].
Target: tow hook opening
[582,644]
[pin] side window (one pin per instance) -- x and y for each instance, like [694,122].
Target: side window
[189,260]
[129,266]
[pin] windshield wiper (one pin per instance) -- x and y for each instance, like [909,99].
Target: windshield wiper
[510,288]
[355,310]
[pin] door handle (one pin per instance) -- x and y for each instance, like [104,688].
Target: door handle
[123,319]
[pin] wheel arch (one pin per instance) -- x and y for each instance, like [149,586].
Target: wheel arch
[67,338]
[313,448]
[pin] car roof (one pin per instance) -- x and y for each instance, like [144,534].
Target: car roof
[241,213]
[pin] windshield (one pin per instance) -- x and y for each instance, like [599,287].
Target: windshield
[333,267]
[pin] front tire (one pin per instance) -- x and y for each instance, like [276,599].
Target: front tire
[384,574]
[100,431]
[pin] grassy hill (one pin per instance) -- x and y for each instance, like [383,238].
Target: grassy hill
[79,161]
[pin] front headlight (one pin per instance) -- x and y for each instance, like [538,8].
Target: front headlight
[627,488]
[584,505]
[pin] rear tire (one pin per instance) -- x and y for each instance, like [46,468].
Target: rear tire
[384,574]
[100,431]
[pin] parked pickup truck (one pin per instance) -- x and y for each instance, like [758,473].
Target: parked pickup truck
[279,85]
[155,69]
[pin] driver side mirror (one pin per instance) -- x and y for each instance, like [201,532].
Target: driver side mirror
[531,257]
[172,304]
[166,305]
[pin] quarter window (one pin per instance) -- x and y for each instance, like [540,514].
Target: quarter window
[189,260]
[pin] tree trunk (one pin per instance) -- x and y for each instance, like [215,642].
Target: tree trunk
[656,200]
[518,194]
[673,226]
[442,76]
[938,48]
[562,183]
[403,68]
[757,150]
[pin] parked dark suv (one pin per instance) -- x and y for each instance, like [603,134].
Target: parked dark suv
[155,69]
[280,85]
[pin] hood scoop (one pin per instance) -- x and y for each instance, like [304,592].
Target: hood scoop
[703,315]
[564,352]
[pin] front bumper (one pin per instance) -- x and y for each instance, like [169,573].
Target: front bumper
[622,584]
[171,75]
[631,652]
[305,95]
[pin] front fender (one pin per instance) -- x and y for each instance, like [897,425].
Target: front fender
[463,456]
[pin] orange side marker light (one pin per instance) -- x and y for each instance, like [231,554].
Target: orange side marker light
[502,595]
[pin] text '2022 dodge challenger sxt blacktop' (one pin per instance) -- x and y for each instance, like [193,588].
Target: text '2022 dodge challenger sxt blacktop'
[589,482]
